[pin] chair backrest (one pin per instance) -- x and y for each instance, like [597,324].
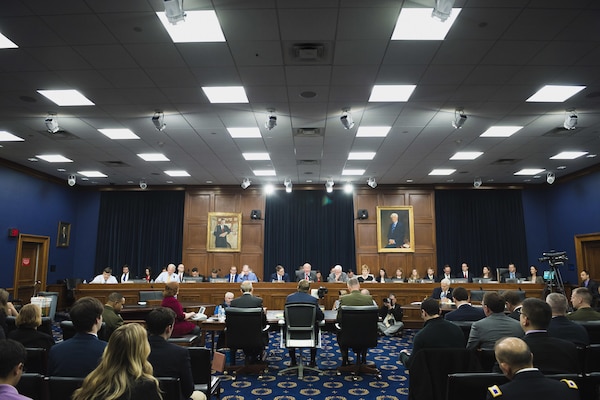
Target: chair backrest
[473,385]
[361,321]
[68,330]
[54,302]
[593,330]
[62,387]
[170,387]
[32,385]
[500,272]
[244,327]
[146,295]
[37,360]
[193,279]
[591,355]
[201,364]
[465,326]
[300,321]
[477,295]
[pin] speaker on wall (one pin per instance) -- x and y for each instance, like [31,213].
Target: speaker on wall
[255,214]
[363,214]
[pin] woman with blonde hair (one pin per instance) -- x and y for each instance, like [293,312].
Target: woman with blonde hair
[183,325]
[414,276]
[366,275]
[124,372]
[28,320]
[6,306]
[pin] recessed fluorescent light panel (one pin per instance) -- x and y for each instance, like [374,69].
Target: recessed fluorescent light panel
[358,155]
[442,172]
[118,134]
[417,24]
[6,43]
[356,172]
[530,171]
[264,172]
[244,133]
[256,156]
[501,131]
[66,97]
[177,173]
[390,93]
[9,137]
[373,131]
[199,26]
[555,93]
[153,157]
[53,158]
[225,94]
[92,174]
[466,155]
[568,155]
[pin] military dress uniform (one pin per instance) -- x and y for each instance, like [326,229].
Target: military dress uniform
[530,383]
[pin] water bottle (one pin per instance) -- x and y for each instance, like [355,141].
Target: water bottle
[217,311]
[221,313]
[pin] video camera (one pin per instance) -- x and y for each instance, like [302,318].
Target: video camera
[554,257]
[322,291]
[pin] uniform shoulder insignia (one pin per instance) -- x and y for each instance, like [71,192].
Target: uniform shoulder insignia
[495,391]
[570,383]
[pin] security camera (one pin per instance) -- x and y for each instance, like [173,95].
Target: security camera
[159,121]
[570,121]
[550,177]
[143,185]
[459,120]
[347,121]
[271,122]
[477,182]
[72,180]
[51,124]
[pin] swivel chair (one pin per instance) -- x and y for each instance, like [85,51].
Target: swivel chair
[204,381]
[472,386]
[300,322]
[247,329]
[32,385]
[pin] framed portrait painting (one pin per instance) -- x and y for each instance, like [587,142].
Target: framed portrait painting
[395,229]
[224,233]
[64,234]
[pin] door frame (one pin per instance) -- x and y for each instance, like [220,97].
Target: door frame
[580,242]
[44,242]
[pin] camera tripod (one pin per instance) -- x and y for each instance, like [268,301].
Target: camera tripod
[555,284]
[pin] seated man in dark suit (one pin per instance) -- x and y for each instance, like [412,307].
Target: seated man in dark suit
[511,273]
[79,356]
[464,311]
[560,326]
[591,285]
[302,296]
[514,303]
[248,300]
[306,273]
[444,292]
[280,275]
[168,359]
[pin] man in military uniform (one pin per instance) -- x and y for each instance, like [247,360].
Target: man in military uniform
[516,362]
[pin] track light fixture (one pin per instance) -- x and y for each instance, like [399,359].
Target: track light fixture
[550,177]
[143,184]
[52,123]
[72,180]
[442,9]
[570,120]
[372,183]
[329,185]
[459,118]
[288,185]
[271,121]
[158,119]
[477,182]
[346,119]
[174,11]
[348,188]
[245,183]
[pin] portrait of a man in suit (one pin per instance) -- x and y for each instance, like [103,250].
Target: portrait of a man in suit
[224,232]
[395,229]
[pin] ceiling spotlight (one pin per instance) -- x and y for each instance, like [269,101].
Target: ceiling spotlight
[159,121]
[459,119]
[329,185]
[174,11]
[372,183]
[51,123]
[72,180]
[245,183]
[288,185]
[570,120]
[271,121]
[143,184]
[346,118]
[477,182]
[442,9]
[348,188]
[550,177]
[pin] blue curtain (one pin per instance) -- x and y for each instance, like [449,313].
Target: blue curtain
[309,226]
[141,229]
[480,227]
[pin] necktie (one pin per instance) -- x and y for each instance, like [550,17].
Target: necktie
[168,278]
[306,277]
[465,274]
[232,278]
[279,277]
[512,276]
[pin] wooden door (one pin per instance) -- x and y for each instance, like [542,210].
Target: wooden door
[587,249]
[31,266]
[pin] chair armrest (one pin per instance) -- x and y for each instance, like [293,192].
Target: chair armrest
[266,328]
[337,326]
[322,323]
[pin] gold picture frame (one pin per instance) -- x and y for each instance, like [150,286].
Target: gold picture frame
[395,229]
[226,237]
[63,237]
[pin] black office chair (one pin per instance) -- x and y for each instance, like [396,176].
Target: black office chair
[357,330]
[465,326]
[204,381]
[46,327]
[477,296]
[170,387]
[152,297]
[32,385]
[593,330]
[591,358]
[37,360]
[62,387]
[71,285]
[69,331]
[245,331]
[300,332]
[473,385]
[487,359]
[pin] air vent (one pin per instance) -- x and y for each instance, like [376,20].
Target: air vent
[308,53]
[561,132]
[506,161]
[308,162]
[308,132]
[115,164]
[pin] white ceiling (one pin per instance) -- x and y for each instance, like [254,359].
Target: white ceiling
[116,52]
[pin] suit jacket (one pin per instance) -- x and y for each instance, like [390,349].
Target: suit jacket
[284,278]
[592,287]
[562,328]
[584,314]
[437,292]
[181,327]
[125,277]
[466,312]
[305,298]
[168,359]
[470,276]
[228,276]
[343,277]
[552,355]
[300,276]
[485,332]
[506,276]
[75,357]
[30,337]
[516,313]
[398,234]
[533,384]
[247,300]
[221,241]
[436,333]
[440,277]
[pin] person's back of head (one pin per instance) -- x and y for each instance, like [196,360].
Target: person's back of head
[85,313]
[158,320]
[558,303]
[460,294]
[114,297]
[537,312]
[171,289]
[353,284]
[512,297]
[585,295]
[30,316]
[303,286]
[493,302]
[512,355]
[431,306]
[246,287]
[12,355]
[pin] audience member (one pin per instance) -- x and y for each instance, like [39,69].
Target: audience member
[168,276]
[125,274]
[533,275]
[166,358]
[550,355]
[247,275]
[183,325]
[366,275]
[6,306]
[496,325]
[28,320]
[560,326]
[307,273]
[391,316]
[444,292]
[464,273]
[79,355]
[516,362]
[581,298]
[11,368]
[337,275]
[464,310]
[280,275]
[248,300]
[233,276]
[302,296]
[513,303]
[124,372]
[591,285]
[105,277]
[511,273]
[111,317]
[436,333]
[382,276]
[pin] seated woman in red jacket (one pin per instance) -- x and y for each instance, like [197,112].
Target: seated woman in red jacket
[183,325]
